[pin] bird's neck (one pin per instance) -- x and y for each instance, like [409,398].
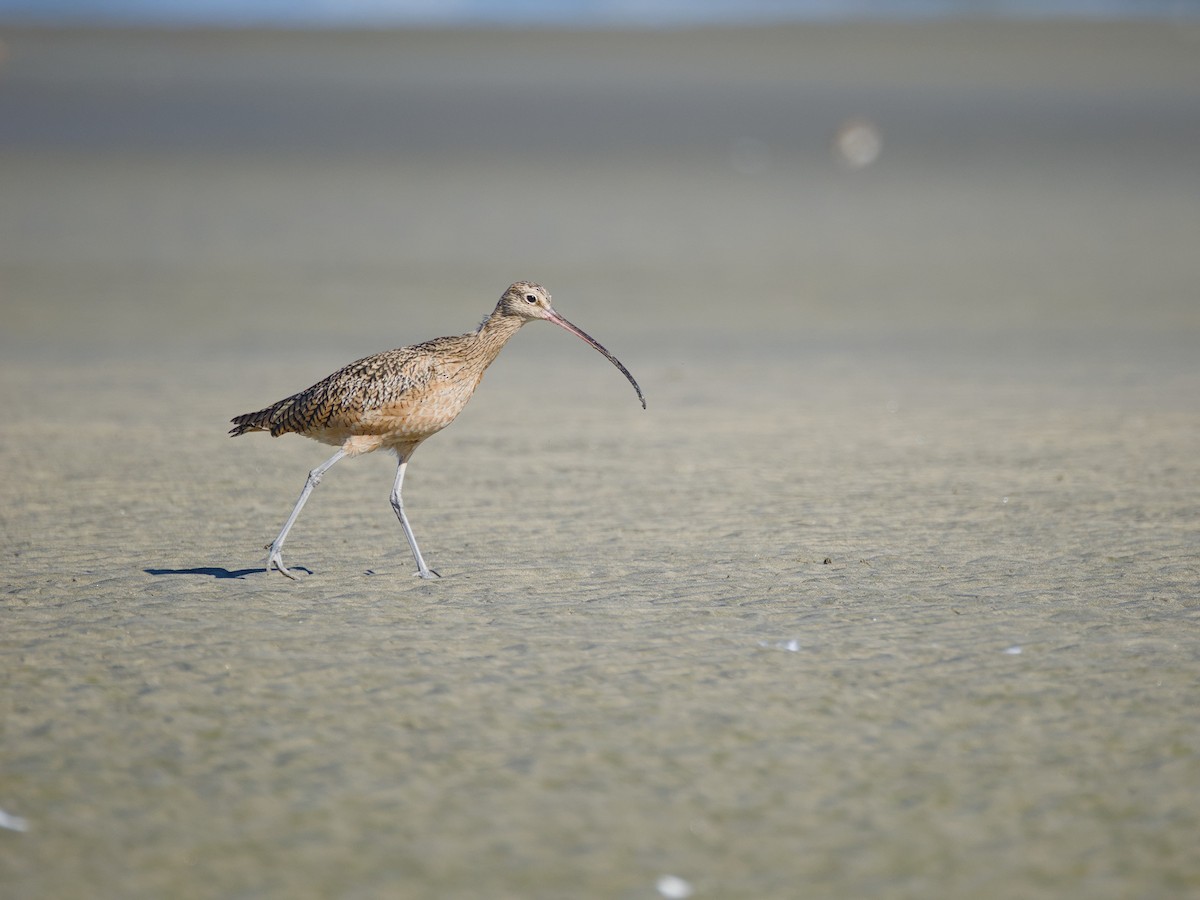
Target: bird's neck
[494,333]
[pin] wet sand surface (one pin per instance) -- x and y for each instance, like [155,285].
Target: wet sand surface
[892,590]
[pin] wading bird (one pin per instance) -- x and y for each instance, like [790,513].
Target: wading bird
[396,399]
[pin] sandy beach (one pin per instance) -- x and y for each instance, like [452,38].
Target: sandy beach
[892,591]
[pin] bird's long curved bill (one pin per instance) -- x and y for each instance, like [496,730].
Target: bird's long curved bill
[558,320]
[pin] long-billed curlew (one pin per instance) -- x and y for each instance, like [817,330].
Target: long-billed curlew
[396,399]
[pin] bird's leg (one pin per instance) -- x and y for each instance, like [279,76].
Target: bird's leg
[275,559]
[398,505]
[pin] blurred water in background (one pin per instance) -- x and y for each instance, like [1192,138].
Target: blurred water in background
[574,14]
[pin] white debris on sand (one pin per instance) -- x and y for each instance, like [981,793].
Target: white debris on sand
[673,887]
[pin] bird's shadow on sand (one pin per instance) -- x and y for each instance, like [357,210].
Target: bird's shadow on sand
[217,571]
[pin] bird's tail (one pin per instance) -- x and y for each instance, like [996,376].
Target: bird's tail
[255,421]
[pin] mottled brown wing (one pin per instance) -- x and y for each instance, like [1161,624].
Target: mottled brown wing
[339,401]
[414,390]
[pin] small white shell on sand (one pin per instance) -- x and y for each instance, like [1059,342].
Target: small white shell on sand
[790,644]
[673,887]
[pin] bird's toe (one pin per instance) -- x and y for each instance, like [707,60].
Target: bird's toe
[275,561]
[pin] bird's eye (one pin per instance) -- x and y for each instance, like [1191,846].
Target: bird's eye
[530,298]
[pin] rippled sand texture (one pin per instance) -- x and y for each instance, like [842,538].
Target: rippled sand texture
[892,591]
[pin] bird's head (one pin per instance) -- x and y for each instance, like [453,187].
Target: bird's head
[528,301]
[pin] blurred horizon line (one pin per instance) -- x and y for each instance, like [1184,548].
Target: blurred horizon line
[591,14]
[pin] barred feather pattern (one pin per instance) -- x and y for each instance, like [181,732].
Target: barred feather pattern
[398,397]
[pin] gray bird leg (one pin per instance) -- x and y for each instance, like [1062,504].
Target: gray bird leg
[398,505]
[314,478]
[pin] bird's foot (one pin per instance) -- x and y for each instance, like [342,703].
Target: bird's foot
[275,561]
[426,573]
